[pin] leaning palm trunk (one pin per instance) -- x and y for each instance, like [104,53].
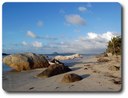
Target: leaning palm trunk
[113,47]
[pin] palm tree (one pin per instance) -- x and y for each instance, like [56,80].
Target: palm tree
[114,45]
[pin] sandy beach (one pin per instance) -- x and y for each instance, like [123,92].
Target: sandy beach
[97,76]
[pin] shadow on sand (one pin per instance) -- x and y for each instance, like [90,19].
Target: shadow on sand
[85,76]
[72,64]
[76,68]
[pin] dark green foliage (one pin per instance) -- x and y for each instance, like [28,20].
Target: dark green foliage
[114,45]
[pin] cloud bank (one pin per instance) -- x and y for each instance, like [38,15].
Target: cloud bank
[90,43]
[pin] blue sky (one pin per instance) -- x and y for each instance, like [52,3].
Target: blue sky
[61,27]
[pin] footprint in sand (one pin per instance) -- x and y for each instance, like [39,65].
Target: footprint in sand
[31,88]
[71,86]
[56,87]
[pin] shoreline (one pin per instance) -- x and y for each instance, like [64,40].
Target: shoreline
[6,68]
[97,76]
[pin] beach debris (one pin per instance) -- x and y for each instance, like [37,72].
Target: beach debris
[110,75]
[85,68]
[96,71]
[87,65]
[56,87]
[71,77]
[67,57]
[99,82]
[54,70]
[103,59]
[71,86]
[31,88]
[25,61]
[116,81]
[114,68]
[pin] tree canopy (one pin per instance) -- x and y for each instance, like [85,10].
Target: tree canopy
[114,45]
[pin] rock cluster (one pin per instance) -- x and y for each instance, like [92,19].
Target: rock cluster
[25,61]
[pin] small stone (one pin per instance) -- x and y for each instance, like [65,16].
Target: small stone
[68,78]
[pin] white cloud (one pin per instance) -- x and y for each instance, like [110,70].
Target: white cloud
[40,23]
[104,37]
[31,34]
[74,19]
[37,44]
[24,43]
[82,9]
[108,35]
[92,35]
[94,42]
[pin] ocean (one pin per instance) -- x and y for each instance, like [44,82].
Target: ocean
[6,68]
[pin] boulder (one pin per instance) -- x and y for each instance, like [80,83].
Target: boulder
[68,78]
[25,61]
[54,70]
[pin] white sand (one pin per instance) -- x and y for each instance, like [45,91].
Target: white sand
[96,77]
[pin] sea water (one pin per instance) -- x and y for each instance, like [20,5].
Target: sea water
[5,67]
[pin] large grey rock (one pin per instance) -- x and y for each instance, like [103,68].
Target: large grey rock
[54,70]
[25,61]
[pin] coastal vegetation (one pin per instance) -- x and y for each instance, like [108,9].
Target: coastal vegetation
[114,46]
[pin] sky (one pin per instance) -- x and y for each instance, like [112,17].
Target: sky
[59,27]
